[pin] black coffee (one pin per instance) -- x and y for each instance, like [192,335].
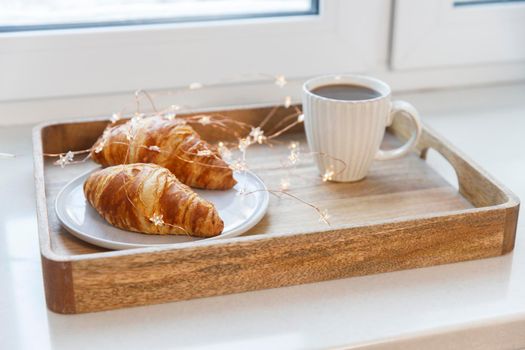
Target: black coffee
[346,92]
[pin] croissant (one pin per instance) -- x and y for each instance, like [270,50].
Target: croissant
[169,143]
[148,198]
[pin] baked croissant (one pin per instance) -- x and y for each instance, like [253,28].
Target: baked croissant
[169,143]
[148,198]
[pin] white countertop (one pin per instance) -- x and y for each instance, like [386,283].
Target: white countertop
[477,304]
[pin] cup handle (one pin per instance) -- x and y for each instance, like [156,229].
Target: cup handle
[408,110]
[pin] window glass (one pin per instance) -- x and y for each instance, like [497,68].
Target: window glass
[482,2]
[19,15]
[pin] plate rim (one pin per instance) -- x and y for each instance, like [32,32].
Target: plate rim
[104,243]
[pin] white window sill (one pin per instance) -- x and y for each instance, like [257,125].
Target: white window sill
[477,304]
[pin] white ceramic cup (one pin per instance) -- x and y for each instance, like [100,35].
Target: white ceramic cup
[345,135]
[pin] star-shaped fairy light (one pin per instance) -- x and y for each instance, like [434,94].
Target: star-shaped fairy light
[294,145]
[99,147]
[205,120]
[244,144]
[328,175]
[133,126]
[129,134]
[157,220]
[170,115]
[293,158]
[238,165]
[204,153]
[257,135]
[65,159]
[224,151]
[324,216]
[284,184]
[115,117]
[287,101]
[280,81]
[294,148]
[103,141]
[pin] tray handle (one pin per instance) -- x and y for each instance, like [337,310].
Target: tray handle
[474,183]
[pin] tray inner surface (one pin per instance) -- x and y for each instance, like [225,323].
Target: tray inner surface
[393,189]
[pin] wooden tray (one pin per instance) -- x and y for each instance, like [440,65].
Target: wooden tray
[403,215]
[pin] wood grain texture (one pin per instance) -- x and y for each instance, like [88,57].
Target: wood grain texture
[408,181]
[511,223]
[268,263]
[58,283]
[403,215]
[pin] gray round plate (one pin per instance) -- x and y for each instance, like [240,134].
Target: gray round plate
[239,213]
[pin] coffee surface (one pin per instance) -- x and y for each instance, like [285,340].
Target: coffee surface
[346,92]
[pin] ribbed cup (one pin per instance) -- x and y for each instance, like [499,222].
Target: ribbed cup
[345,135]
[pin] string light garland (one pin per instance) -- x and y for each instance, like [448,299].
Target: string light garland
[245,135]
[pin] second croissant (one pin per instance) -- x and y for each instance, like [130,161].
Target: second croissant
[168,143]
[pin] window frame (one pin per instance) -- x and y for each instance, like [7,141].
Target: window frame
[314,9]
[38,82]
[435,33]
[89,61]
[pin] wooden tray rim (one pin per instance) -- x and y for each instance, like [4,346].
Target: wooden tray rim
[42,209]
